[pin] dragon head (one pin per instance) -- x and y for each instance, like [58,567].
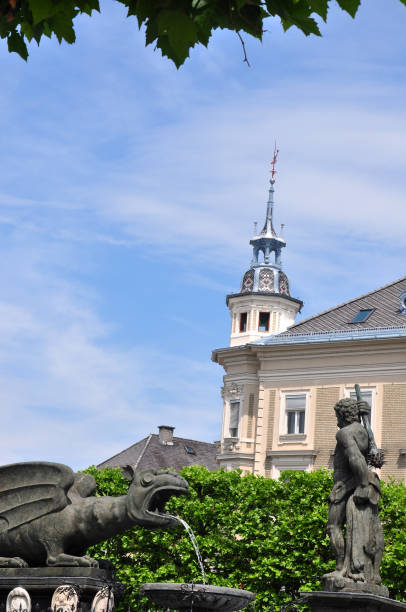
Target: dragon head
[148,493]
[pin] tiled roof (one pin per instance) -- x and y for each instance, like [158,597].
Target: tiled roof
[151,453]
[385,303]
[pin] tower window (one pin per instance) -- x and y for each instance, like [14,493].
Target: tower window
[362,315]
[243,322]
[263,323]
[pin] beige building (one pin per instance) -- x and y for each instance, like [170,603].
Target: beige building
[282,379]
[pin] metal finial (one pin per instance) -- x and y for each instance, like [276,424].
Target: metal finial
[273,163]
[255,228]
[282,228]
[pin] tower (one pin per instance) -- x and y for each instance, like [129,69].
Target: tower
[264,305]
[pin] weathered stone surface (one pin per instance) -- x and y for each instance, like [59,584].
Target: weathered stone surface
[322,601]
[103,601]
[353,504]
[65,598]
[41,584]
[48,515]
[201,597]
[18,600]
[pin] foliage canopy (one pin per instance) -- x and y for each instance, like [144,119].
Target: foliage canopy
[174,26]
[267,536]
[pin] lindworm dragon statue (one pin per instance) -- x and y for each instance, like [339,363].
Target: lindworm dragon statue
[49,515]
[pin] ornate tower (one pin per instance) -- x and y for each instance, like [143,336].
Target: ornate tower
[264,305]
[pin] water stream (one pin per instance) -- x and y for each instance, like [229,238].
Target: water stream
[192,537]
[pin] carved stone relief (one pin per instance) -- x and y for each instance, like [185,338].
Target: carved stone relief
[65,599]
[18,600]
[103,601]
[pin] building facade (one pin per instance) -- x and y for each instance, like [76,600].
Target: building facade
[281,383]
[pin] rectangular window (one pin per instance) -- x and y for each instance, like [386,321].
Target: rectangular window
[234,419]
[263,323]
[362,315]
[295,407]
[368,394]
[365,395]
[243,322]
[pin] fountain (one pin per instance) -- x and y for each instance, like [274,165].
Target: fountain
[49,517]
[201,597]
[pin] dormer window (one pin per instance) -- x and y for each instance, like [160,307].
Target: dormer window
[362,315]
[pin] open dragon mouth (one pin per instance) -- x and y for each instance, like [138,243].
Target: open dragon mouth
[157,501]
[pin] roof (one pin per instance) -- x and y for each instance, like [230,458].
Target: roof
[151,453]
[334,336]
[266,294]
[384,302]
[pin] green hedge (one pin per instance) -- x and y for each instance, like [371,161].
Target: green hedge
[267,536]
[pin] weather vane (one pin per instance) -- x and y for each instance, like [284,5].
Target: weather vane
[275,157]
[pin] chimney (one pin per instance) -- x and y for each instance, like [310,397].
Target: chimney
[166,434]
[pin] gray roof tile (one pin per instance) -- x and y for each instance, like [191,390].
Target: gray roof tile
[386,304]
[150,453]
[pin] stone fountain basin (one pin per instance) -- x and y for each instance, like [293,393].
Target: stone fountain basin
[178,596]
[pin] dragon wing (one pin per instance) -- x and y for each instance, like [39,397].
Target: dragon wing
[30,490]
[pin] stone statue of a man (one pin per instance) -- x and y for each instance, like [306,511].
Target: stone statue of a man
[353,503]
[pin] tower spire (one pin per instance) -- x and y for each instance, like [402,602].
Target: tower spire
[263,305]
[268,229]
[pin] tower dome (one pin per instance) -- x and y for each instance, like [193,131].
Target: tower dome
[264,305]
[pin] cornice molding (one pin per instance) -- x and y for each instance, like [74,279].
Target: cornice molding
[377,371]
[228,456]
[291,453]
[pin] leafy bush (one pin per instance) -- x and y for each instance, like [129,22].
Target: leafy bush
[267,536]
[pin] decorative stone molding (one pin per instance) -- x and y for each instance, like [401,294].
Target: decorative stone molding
[103,601]
[18,600]
[65,599]
[230,445]
[231,391]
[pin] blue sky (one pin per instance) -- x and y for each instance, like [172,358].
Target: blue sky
[127,201]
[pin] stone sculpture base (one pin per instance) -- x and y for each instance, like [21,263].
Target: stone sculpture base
[41,582]
[325,601]
[346,585]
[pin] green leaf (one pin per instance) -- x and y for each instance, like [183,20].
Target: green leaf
[350,6]
[41,9]
[307,24]
[62,25]
[180,31]
[144,10]
[320,7]
[16,43]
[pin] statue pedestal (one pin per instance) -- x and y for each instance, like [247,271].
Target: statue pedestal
[41,582]
[326,601]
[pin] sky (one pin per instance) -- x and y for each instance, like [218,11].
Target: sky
[127,199]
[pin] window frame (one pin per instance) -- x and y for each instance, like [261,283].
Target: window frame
[367,310]
[264,312]
[365,388]
[230,404]
[284,436]
[240,329]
